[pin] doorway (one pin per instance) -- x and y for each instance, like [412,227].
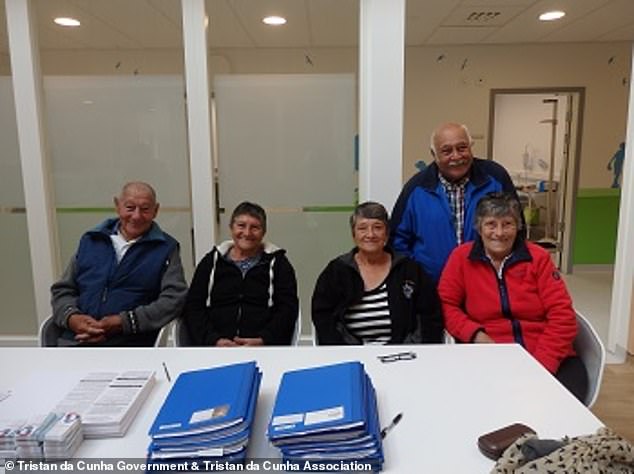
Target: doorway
[535,134]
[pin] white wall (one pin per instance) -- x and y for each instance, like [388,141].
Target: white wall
[437,89]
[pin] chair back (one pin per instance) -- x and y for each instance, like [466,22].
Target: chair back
[49,332]
[589,348]
[163,335]
[297,332]
[180,333]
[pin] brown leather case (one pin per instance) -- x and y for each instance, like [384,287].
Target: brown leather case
[493,444]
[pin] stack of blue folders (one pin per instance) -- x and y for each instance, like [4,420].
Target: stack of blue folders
[207,416]
[327,416]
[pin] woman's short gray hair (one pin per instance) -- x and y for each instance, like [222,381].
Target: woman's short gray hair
[499,204]
[369,210]
[251,209]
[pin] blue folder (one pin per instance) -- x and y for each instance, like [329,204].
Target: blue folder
[207,400]
[215,439]
[326,402]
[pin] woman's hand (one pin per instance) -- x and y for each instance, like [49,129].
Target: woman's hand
[483,338]
[224,342]
[248,341]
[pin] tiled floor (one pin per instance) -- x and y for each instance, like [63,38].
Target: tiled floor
[591,292]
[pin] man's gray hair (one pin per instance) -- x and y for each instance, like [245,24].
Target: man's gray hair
[432,139]
[369,210]
[499,204]
[138,185]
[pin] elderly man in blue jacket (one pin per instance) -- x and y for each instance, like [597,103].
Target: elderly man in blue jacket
[436,208]
[126,279]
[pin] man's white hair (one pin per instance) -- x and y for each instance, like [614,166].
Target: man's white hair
[432,139]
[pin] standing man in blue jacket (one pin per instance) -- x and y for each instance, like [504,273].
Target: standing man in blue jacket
[436,208]
[126,279]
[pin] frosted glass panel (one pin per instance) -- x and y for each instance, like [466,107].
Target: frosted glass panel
[104,131]
[286,139]
[18,315]
[287,142]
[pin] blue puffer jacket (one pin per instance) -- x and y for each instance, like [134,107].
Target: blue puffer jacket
[422,222]
[105,287]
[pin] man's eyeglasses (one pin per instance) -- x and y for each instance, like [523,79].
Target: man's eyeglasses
[397,356]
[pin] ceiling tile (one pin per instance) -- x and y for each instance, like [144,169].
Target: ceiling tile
[93,32]
[295,33]
[494,3]
[225,28]
[625,33]
[597,23]
[481,15]
[423,17]
[460,35]
[526,27]
[138,20]
[4,39]
[333,22]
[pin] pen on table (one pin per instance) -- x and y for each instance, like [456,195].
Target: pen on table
[392,424]
[167,374]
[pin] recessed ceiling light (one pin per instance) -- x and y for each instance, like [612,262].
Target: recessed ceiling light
[550,16]
[65,21]
[274,20]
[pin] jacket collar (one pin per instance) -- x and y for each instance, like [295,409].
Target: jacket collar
[519,251]
[109,227]
[477,176]
[348,258]
[269,248]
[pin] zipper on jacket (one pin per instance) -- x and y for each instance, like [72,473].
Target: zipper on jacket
[104,295]
[506,306]
[239,318]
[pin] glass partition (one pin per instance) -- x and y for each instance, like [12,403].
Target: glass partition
[16,291]
[115,112]
[286,110]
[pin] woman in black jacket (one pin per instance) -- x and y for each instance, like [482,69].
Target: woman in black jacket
[244,292]
[372,295]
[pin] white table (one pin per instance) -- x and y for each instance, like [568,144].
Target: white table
[449,395]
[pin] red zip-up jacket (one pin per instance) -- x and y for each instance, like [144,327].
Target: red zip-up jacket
[527,304]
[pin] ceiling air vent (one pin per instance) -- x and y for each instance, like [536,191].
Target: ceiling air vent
[481,16]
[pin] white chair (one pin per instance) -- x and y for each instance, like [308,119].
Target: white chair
[589,348]
[163,335]
[180,333]
[49,332]
[297,332]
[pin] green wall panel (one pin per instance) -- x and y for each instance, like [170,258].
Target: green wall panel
[596,226]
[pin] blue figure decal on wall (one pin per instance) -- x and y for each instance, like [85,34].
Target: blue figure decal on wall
[420,165]
[616,165]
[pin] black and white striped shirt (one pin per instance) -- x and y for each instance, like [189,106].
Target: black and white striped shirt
[369,320]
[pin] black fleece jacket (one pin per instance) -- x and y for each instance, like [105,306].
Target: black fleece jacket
[221,303]
[412,299]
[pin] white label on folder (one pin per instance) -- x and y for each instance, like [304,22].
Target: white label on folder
[209,414]
[321,416]
[202,415]
[288,419]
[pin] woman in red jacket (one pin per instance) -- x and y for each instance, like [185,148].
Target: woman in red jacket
[500,288]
